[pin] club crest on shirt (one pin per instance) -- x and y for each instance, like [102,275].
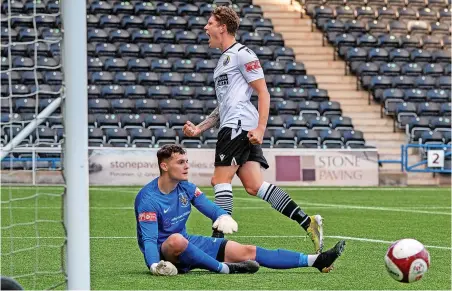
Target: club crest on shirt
[183,199]
[226,60]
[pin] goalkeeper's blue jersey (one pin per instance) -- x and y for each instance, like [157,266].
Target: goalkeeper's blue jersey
[159,215]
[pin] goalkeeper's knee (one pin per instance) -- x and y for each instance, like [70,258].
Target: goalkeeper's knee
[175,244]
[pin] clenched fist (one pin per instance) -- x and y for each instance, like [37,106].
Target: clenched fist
[191,130]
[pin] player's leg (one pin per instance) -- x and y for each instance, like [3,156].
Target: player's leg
[251,176]
[282,259]
[221,182]
[201,252]
[231,151]
[179,251]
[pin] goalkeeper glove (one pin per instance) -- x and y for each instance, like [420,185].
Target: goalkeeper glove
[226,224]
[163,268]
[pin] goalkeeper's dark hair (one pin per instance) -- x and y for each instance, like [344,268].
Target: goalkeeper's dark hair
[166,151]
[226,15]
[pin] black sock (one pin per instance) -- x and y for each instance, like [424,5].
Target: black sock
[282,202]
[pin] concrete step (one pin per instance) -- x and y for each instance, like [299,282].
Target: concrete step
[336,86]
[394,152]
[351,94]
[356,108]
[319,70]
[397,138]
[322,64]
[314,50]
[372,121]
[300,36]
[361,116]
[384,144]
[271,2]
[305,43]
[421,179]
[386,167]
[334,79]
[291,18]
[397,156]
[304,57]
[274,15]
[350,101]
[292,28]
[267,7]
[371,129]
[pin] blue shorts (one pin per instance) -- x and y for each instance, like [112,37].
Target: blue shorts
[212,246]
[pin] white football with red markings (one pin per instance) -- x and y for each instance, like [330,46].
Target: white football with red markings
[407,260]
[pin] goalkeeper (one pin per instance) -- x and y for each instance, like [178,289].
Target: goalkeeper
[162,208]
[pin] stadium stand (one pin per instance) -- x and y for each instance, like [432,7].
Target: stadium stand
[151,58]
[150,69]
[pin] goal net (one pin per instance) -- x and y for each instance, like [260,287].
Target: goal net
[34,215]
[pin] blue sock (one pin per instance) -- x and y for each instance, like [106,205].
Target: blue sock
[193,256]
[280,259]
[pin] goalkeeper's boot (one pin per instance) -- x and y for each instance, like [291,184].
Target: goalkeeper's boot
[315,232]
[245,267]
[217,234]
[325,260]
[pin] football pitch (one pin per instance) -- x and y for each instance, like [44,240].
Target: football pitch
[369,219]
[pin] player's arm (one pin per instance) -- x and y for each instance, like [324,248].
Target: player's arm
[148,224]
[195,130]
[211,120]
[251,70]
[221,219]
[260,86]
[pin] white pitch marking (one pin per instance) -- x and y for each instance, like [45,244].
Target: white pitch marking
[361,239]
[113,189]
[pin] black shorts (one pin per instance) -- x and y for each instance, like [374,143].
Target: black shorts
[234,148]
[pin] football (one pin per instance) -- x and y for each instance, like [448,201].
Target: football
[407,260]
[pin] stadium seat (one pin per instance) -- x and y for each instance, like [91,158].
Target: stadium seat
[284,136]
[119,137]
[330,138]
[341,123]
[353,137]
[318,95]
[122,106]
[275,122]
[308,138]
[107,120]
[431,137]
[193,106]
[165,136]
[330,108]
[132,120]
[403,112]
[295,94]
[319,123]
[294,122]
[141,137]
[306,81]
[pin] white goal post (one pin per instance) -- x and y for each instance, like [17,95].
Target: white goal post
[75,114]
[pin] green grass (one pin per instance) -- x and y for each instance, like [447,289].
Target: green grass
[381,215]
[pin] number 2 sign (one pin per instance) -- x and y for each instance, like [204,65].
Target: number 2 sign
[435,159]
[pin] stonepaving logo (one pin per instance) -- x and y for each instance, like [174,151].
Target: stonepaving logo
[295,168]
[325,167]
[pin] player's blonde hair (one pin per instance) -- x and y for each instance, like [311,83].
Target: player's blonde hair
[227,15]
